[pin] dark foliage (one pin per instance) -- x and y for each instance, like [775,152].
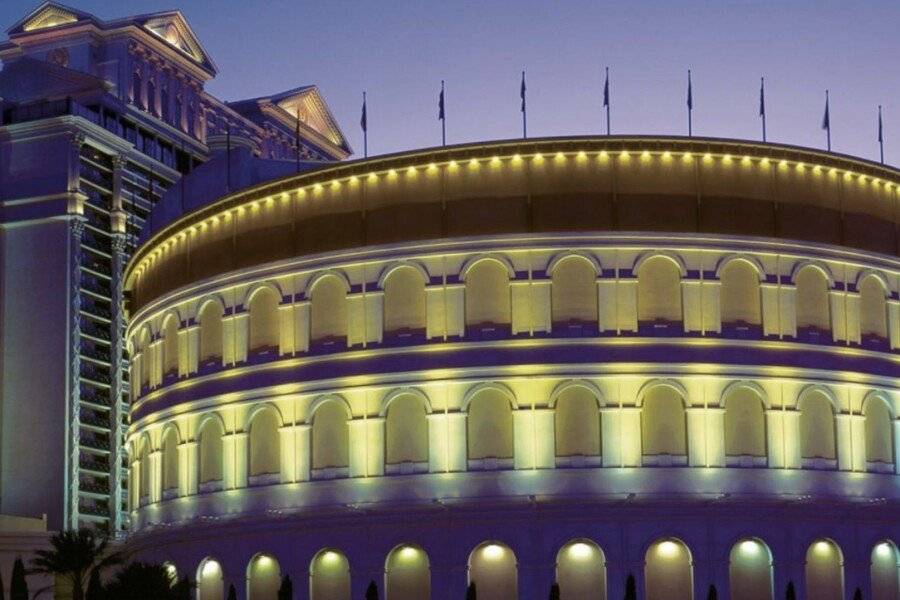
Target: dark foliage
[630,588]
[18,586]
[286,589]
[372,591]
[554,591]
[471,592]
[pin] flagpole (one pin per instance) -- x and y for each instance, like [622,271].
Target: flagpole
[443,117]
[524,109]
[606,99]
[762,104]
[880,135]
[690,104]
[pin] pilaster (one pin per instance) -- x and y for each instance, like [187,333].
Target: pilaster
[894,323]
[533,431]
[192,345]
[188,468]
[301,326]
[434,311]
[838,315]
[844,447]
[241,336]
[621,436]
[155,476]
[356,319]
[771,317]
[374,315]
[367,447]
[706,436]
[235,454]
[456,310]
[447,442]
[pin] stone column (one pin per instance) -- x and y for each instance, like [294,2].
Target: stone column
[621,436]
[706,436]
[447,442]
[155,476]
[234,451]
[771,318]
[301,326]
[374,315]
[188,468]
[192,344]
[843,443]
[456,310]
[241,333]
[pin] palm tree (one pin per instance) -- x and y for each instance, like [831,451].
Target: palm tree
[232,593]
[372,591]
[139,580]
[286,590]
[72,557]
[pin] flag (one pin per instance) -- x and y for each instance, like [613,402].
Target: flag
[606,89]
[690,95]
[826,119]
[762,97]
[522,92]
[880,126]
[363,121]
[441,103]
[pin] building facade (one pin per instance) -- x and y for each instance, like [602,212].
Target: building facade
[579,360]
[99,120]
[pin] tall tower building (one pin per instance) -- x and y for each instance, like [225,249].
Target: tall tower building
[99,120]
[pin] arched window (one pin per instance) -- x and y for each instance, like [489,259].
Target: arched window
[210,449]
[407,574]
[330,436]
[265,447]
[668,571]
[745,423]
[170,461]
[577,423]
[328,310]
[264,326]
[489,427]
[872,309]
[817,427]
[581,571]
[573,294]
[663,424]
[211,332]
[406,431]
[487,294]
[263,577]
[404,302]
[210,581]
[659,290]
[813,310]
[493,570]
[885,569]
[740,298]
[750,571]
[170,347]
[824,571]
[879,434]
[329,576]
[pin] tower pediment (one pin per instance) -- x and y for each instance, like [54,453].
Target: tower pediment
[47,16]
[172,28]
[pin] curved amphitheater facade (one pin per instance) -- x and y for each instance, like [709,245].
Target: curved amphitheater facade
[515,363]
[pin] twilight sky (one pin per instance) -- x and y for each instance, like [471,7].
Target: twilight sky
[399,51]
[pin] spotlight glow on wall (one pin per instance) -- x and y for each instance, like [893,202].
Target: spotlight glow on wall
[493,552]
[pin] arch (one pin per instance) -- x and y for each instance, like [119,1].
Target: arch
[263,577]
[494,571]
[671,256]
[318,277]
[740,299]
[502,260]
[252,291]
[170,442]
[209,448]
[264,443]
[750,570]
[752,261]
[879,434]
[171,324]
[210,580]
[404,299]
[668,571]
[406,429]
[411,391]
[573,290]
[824,570]
[576,419]
[817,423]
[663,420]
[327,294]
[330,439]
[209,318]
[745,420]
[407,574]
[884,571]
[581,570]
[873,308]
[263,319]
[672,384]
[489,385]
[400,264]
[489,424]
[659,288]
[329,576]
[813,307]
[487,292]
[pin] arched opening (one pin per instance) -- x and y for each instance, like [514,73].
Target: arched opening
[817,430]
[740,299]
[663,427]
[210,450]
[885,571]
[407,574]
[406,434]
[872,310]
[144,458]
[404,304]
[668,571]
[170,463]
[328,311]
[329,576]
[489,430]
[265,447]
[813,309]
[263,578]
[210,580]
[577,427]
[487,297]
[493,570]
[573,297]
[581,571]
[879,434]
[170,347]
[824,571]
[264,325]
[750,571]
[330,439]
[146,352]
[211,333]
[745,426]
[659,292]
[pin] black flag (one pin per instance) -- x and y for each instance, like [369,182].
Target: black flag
[522,92]
[364,123]
[880,134]
[826,121]
[690,103]
[606,99]
[441,116]
[762,104]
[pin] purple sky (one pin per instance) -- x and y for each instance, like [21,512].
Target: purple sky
[400,50]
